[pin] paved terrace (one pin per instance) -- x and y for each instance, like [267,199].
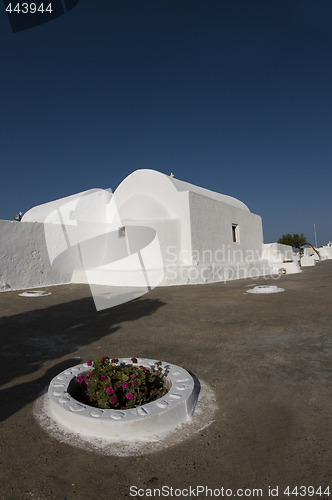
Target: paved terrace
[266,357]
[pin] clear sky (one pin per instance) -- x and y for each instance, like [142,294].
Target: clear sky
[231,95]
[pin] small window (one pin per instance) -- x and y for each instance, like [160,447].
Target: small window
[122,232]
[235,233]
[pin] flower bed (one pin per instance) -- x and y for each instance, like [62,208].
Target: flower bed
[119,386]
[144,422]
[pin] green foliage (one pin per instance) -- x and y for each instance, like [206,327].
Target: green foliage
[114,385]
[294,240]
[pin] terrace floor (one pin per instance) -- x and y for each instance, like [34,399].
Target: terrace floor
[267,358]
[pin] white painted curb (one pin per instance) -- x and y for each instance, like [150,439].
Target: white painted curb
[144,422]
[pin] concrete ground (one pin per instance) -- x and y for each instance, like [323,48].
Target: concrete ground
[266,357]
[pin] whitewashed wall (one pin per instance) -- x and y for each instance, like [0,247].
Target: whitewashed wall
[325,252]
[193,227]
[24,261]
[191,221]
[276,252]
[215,254]
[281,258]
[148,195]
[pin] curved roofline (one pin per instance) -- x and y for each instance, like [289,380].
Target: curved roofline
[224,198]
[39,212]
[186,186]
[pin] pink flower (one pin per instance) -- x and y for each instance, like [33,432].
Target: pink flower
[110,390]
[130,395]
[114,360]
[104,359]
[102,377]
[125,385]
[113,400]
[134,382]
[79,379]
[132,376]
[134,360]
[89,363]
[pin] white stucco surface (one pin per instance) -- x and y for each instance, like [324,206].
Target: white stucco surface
[281,258]
[309,251]
[229,200]
[153,230]
[307,261]
[85,230]
[24,261]
[194,227]
[325,252]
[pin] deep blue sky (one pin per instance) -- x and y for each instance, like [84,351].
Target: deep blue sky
[234,96]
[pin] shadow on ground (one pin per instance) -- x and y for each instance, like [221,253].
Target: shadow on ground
[34,341]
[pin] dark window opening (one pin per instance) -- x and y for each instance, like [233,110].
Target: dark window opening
[122,232]
[235,233]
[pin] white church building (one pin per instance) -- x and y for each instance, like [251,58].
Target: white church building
[204,236]
[153,230]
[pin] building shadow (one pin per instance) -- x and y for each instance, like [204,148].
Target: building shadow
[35,339]
[15,398]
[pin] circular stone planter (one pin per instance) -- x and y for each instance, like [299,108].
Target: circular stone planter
[265,289]
[145,422]
[34,293]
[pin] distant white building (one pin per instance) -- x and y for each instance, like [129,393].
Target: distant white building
[325,251]
[154,228]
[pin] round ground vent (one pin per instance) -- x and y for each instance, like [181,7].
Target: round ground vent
[265,289]
[34,293]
